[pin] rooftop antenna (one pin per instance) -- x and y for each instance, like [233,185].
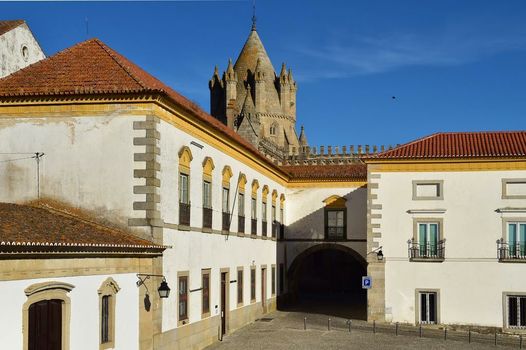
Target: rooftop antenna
[254,15]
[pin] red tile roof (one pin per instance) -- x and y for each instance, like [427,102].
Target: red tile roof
[6,26]
[91,67]
[24,227]
[487,144]
[346,172]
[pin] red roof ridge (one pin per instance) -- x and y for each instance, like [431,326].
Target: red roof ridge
[113,54]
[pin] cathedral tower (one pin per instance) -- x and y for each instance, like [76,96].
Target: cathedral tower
[253,100]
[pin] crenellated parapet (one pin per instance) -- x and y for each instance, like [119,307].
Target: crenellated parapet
[305,155]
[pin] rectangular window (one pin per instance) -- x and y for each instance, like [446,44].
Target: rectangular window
[264,211]
[253,284]
[335,224]
[183,298]
[273,278]
[273,213]
[207,195]
[428,239]
[253,209]
[281,215]
[517,239]
[241,204]
[105,319]
[183,189]
[281,279]
[240,286]
[428,189]
[206,292]
[226,203]
[428,307]
[513,188]
[516,311]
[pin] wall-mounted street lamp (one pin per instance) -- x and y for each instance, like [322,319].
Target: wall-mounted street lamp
[379,253]
[163,290]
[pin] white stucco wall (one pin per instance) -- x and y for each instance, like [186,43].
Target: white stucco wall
[85,314]
[471,276]
[12,45]
[88,162]
[194,250]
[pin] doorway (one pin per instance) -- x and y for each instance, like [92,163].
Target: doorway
[224,297]
[45,325]
[264,289]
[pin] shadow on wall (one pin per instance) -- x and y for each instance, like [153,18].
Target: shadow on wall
[312,225]
[324,276]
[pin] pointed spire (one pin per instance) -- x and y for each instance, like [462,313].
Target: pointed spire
[230,74]
[254,16]
[290,75]
[248,104]
[216,71]
[303,137]
[283,70]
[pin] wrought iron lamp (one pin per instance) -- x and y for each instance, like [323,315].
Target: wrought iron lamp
[163,290]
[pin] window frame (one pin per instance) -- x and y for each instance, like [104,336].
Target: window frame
[184,275]
[505,312]
[439,183]
[205,291]
[326,223]
[253,277]
[418,293]
[207,194]
[240,286]
[273,279]
[225,205]
[505,183]
[184,193]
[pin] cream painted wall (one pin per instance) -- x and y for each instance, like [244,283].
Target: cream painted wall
[194,250]
[88,163]
[470,276]
[85,314]
[11,46]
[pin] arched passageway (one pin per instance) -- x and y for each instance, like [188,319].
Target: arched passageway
[326,279]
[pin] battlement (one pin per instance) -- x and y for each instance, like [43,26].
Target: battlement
[307,155]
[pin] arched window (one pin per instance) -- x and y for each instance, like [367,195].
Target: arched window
[264,194]
[241,203]
[274,129]
[185,157]
[282,216]
[273,214]
[335,218]
[107,295]
[254,208]
[225,197]
[208,167]
[46,315]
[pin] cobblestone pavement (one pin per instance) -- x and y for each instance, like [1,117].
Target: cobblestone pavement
[285,331]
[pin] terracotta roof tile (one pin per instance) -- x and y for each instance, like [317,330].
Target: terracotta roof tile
[354,172]
[91,67]
[6,26]
[23,226]
[486,144]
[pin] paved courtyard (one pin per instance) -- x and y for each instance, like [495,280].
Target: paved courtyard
[284,330]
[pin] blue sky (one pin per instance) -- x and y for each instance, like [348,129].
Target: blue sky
[452,65]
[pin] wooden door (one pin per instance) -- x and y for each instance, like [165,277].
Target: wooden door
[223,303]
[45,325]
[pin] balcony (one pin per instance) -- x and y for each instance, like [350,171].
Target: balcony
[241,224]
[264,228]
[275,229]
[254,227]
[226,222]
[428,251]
[511,251]
[184,214]
[207,218]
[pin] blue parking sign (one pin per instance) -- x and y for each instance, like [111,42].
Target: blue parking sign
[367,282]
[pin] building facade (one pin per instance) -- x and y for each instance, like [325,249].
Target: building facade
[235,212]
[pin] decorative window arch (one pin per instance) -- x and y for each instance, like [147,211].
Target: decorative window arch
[39,293]
[242,183]
[208,168]
[107,301]
[264,214]
[185,158]
[282,209]
[227,175]
[254,206]
[241,202]
[335,218]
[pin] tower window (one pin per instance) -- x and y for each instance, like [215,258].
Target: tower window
[273,129]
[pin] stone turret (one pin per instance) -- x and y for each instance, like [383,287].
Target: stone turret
[273,118]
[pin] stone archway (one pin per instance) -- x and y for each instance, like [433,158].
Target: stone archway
[326,278]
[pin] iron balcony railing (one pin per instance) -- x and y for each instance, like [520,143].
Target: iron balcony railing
[207,217]
[427,250]
[226,222]
[254,226]
[264,228]
[511,250]
[184,214]
[241,224]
